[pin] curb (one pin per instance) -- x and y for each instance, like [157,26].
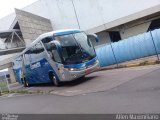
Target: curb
[144,63]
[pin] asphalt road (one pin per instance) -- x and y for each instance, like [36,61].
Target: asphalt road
[129,90]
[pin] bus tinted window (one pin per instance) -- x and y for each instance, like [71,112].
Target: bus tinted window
[52,50]
[36,53]
[75,48]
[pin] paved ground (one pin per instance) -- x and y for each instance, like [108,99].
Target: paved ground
[127,90]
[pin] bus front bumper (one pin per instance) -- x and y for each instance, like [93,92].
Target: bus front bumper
[80,73]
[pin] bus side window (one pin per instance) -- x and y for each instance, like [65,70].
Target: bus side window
[51,49]
[37,53]
[27,57]
[55,56]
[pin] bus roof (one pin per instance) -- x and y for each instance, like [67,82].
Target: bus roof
[50,34]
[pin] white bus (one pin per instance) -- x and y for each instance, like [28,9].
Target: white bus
[56,56]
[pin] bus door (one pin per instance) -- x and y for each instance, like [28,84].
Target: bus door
[18,69]
[40,64]
[55,59]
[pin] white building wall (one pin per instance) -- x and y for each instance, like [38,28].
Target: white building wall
[133,31]
[91,13]
[104,38]
[88,13]
[115,9]
[60,12]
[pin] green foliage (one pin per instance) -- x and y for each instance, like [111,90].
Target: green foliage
[3,88]
[143,63]
[157,62]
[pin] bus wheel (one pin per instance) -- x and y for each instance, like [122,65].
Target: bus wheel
[55,81]
[83,77]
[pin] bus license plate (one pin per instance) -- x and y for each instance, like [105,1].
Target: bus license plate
[87,71]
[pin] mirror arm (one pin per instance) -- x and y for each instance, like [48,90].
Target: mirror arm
[95,36]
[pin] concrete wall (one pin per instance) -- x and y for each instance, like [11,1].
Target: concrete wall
[104,39]
[60,12]
[6,57]
[90,13]
[12,75]
[133,31]
[134,28]
[32,25]
[5,61]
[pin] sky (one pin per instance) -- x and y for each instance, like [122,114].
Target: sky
[7,6]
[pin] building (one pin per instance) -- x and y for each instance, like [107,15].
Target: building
[112,20]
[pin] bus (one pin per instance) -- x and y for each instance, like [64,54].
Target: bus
[56,56]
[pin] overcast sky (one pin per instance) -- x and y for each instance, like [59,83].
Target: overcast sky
[7,6]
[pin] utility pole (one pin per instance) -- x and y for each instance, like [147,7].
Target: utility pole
[112,50]
[75,12]
[114,55]
[154,45]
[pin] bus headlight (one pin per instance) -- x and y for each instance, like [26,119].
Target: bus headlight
[69,69]
[72,69]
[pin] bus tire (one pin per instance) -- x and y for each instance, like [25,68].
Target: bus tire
[82,78]
[55,81]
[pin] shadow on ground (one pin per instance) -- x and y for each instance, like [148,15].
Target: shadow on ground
[68,83]
[78,81]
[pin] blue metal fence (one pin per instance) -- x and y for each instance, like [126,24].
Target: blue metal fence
[139,46]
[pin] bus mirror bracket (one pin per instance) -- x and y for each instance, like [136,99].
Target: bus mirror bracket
[92,35]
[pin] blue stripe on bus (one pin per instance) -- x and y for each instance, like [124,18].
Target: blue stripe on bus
[66,32]
[37,75]
[40,74]
[81,65]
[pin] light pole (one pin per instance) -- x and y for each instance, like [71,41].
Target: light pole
[114,54]
[75,14]
[154,45]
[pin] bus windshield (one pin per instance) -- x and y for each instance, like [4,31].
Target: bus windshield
[75,48]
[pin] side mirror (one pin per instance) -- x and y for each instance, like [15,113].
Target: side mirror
[93,36]
[50,46]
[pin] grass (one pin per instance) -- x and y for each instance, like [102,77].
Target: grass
[143,63]
[157,62]
[16,92]
[3,88]
[149,63]
[3,85]
[20,92]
